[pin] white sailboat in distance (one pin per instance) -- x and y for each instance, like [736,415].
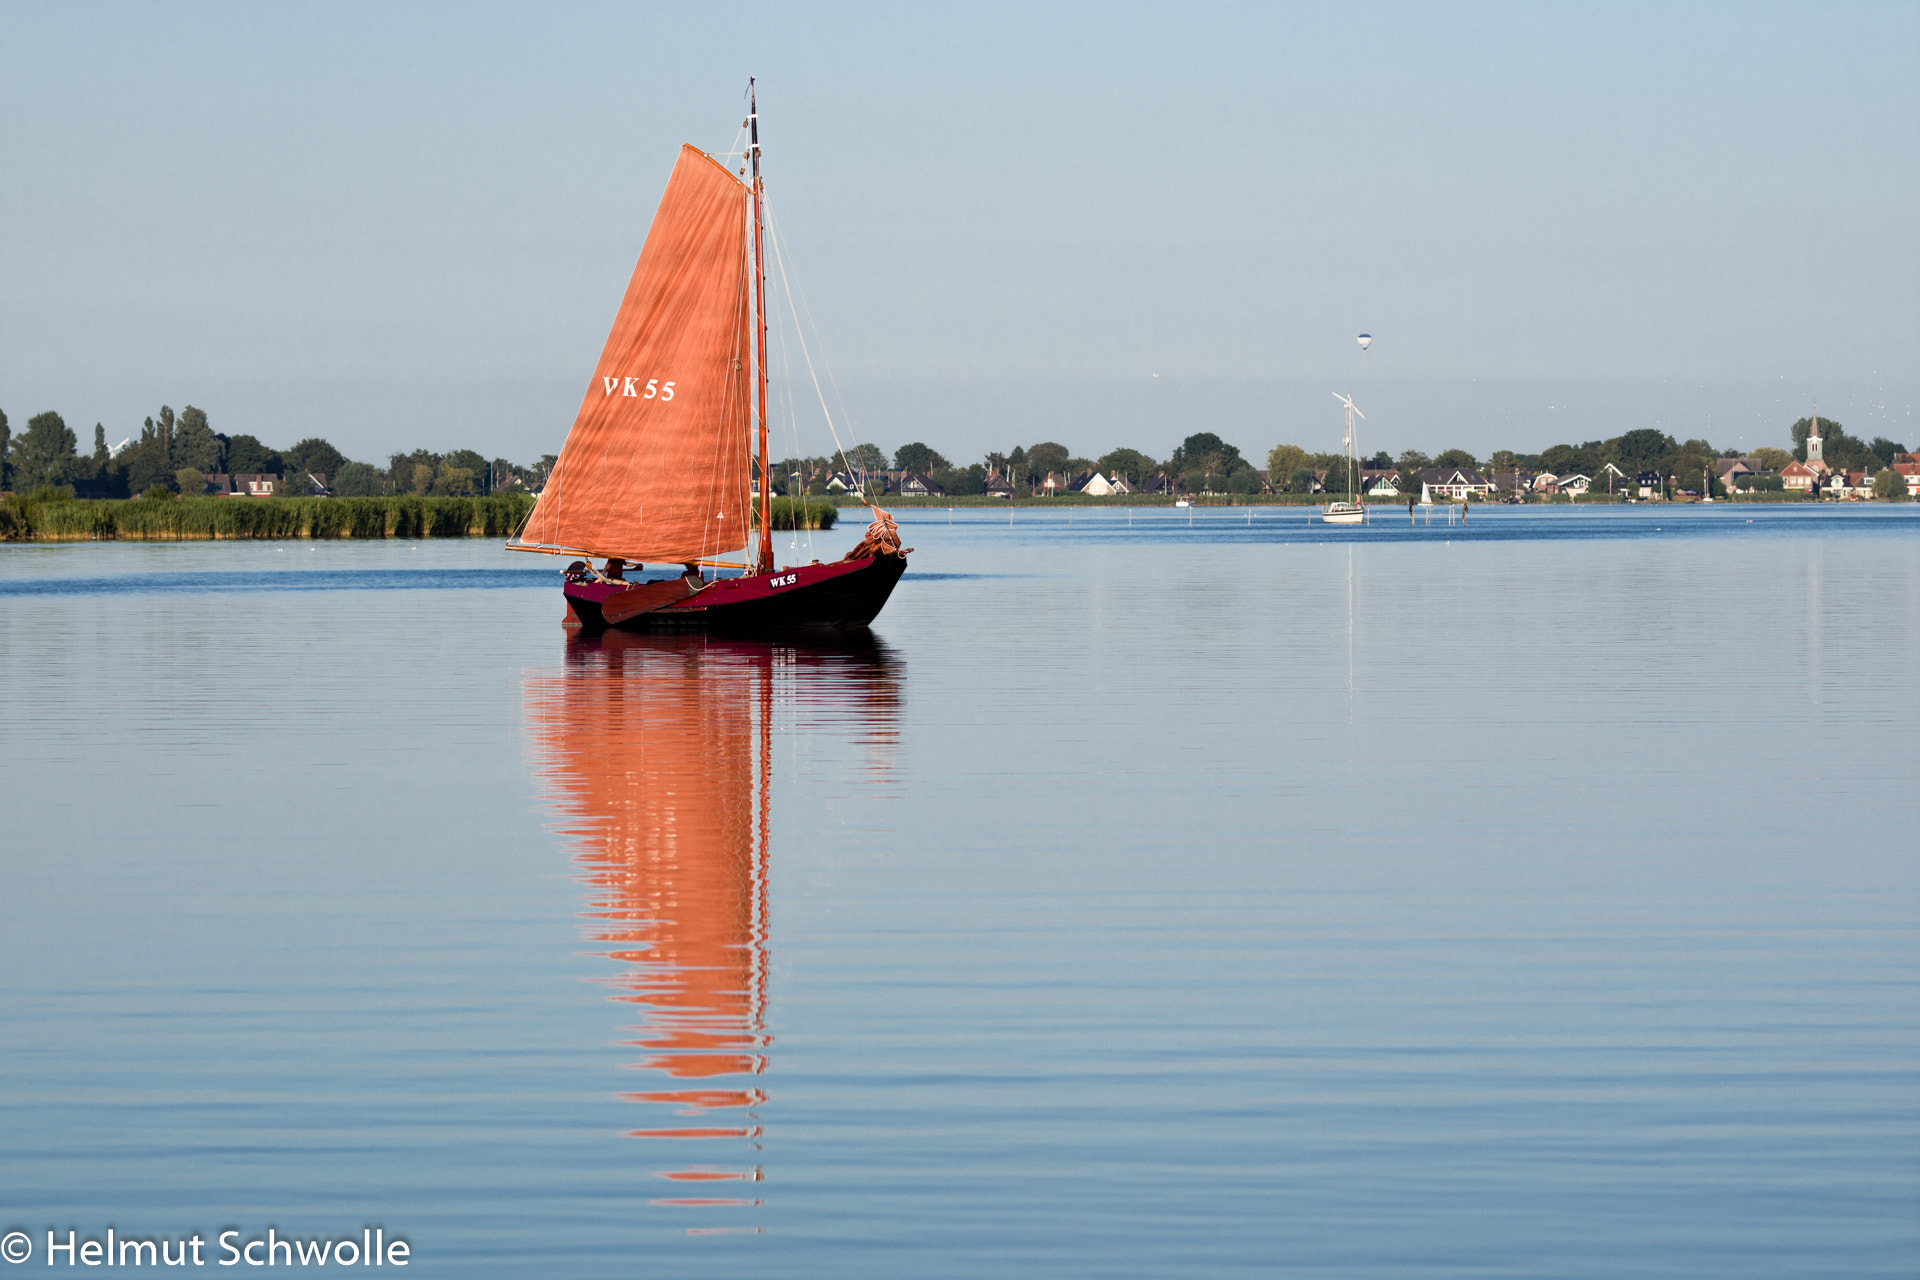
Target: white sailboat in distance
[1347,512]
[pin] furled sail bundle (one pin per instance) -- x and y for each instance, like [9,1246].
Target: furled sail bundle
[656,467]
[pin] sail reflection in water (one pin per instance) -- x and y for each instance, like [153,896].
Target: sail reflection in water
[655,750]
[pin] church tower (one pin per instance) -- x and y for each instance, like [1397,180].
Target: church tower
[1814,459]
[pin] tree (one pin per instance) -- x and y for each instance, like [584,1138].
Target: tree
[1282,461]
[146,463]
[1693,465]
[867,457]
[44,453]
[158,433]
[1890,483]
[190,481]
[246,456]
[1772,459]
[100,454]
[1457,458]
[1503,460]
[1643,449]
[316,457]
[453,482]
[1300,480]
[1244,481]
[1882,448]
[1044,457]
[1207,453]
[356,480]
[1129,463]
[468,460]
[1412,463]
[404,474]
[961,480]
[194,443]
[919,457]
[6,437]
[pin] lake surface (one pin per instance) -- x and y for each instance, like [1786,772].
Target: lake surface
[1537,896]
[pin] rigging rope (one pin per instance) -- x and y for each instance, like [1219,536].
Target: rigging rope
[832,381]
[793,437]
[780,261]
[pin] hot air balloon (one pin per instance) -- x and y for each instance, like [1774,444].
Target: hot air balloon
[1366,340]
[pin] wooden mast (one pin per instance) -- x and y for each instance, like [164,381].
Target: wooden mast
[765,558]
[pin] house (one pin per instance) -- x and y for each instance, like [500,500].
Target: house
[1119,483]
[1097,484]
[842,482]
[1091,482]
[1377,482]
[256,485]
[999,488]
[1513,481]
[1649,484]
[1158,482]
[915,485]
[1546,482]
[1455,483]
[1908,466]
[1573,483]
[1799,477]
[1859,484]
[219,485]
[1728,470]
[1053,484]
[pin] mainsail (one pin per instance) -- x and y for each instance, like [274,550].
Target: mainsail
[656,467]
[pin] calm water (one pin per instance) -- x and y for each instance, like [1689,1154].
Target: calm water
[1533,897]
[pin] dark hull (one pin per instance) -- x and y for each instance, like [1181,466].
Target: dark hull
[817,597]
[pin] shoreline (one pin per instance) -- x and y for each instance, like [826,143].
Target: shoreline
[209,519]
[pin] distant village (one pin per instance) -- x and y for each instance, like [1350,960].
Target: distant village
[183,455]
[1641,465]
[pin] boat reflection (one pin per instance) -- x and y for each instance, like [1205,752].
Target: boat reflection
[656,751]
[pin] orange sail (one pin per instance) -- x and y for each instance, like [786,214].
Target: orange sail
[656,466]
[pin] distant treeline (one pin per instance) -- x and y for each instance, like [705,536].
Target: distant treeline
[1204,463]
[176,455]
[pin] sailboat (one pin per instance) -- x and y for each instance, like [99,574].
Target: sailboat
[663,461]
[1346,512]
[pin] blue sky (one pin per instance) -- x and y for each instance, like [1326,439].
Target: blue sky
[409,225]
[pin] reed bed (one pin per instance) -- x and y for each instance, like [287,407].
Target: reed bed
[811,513]
[57,518]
